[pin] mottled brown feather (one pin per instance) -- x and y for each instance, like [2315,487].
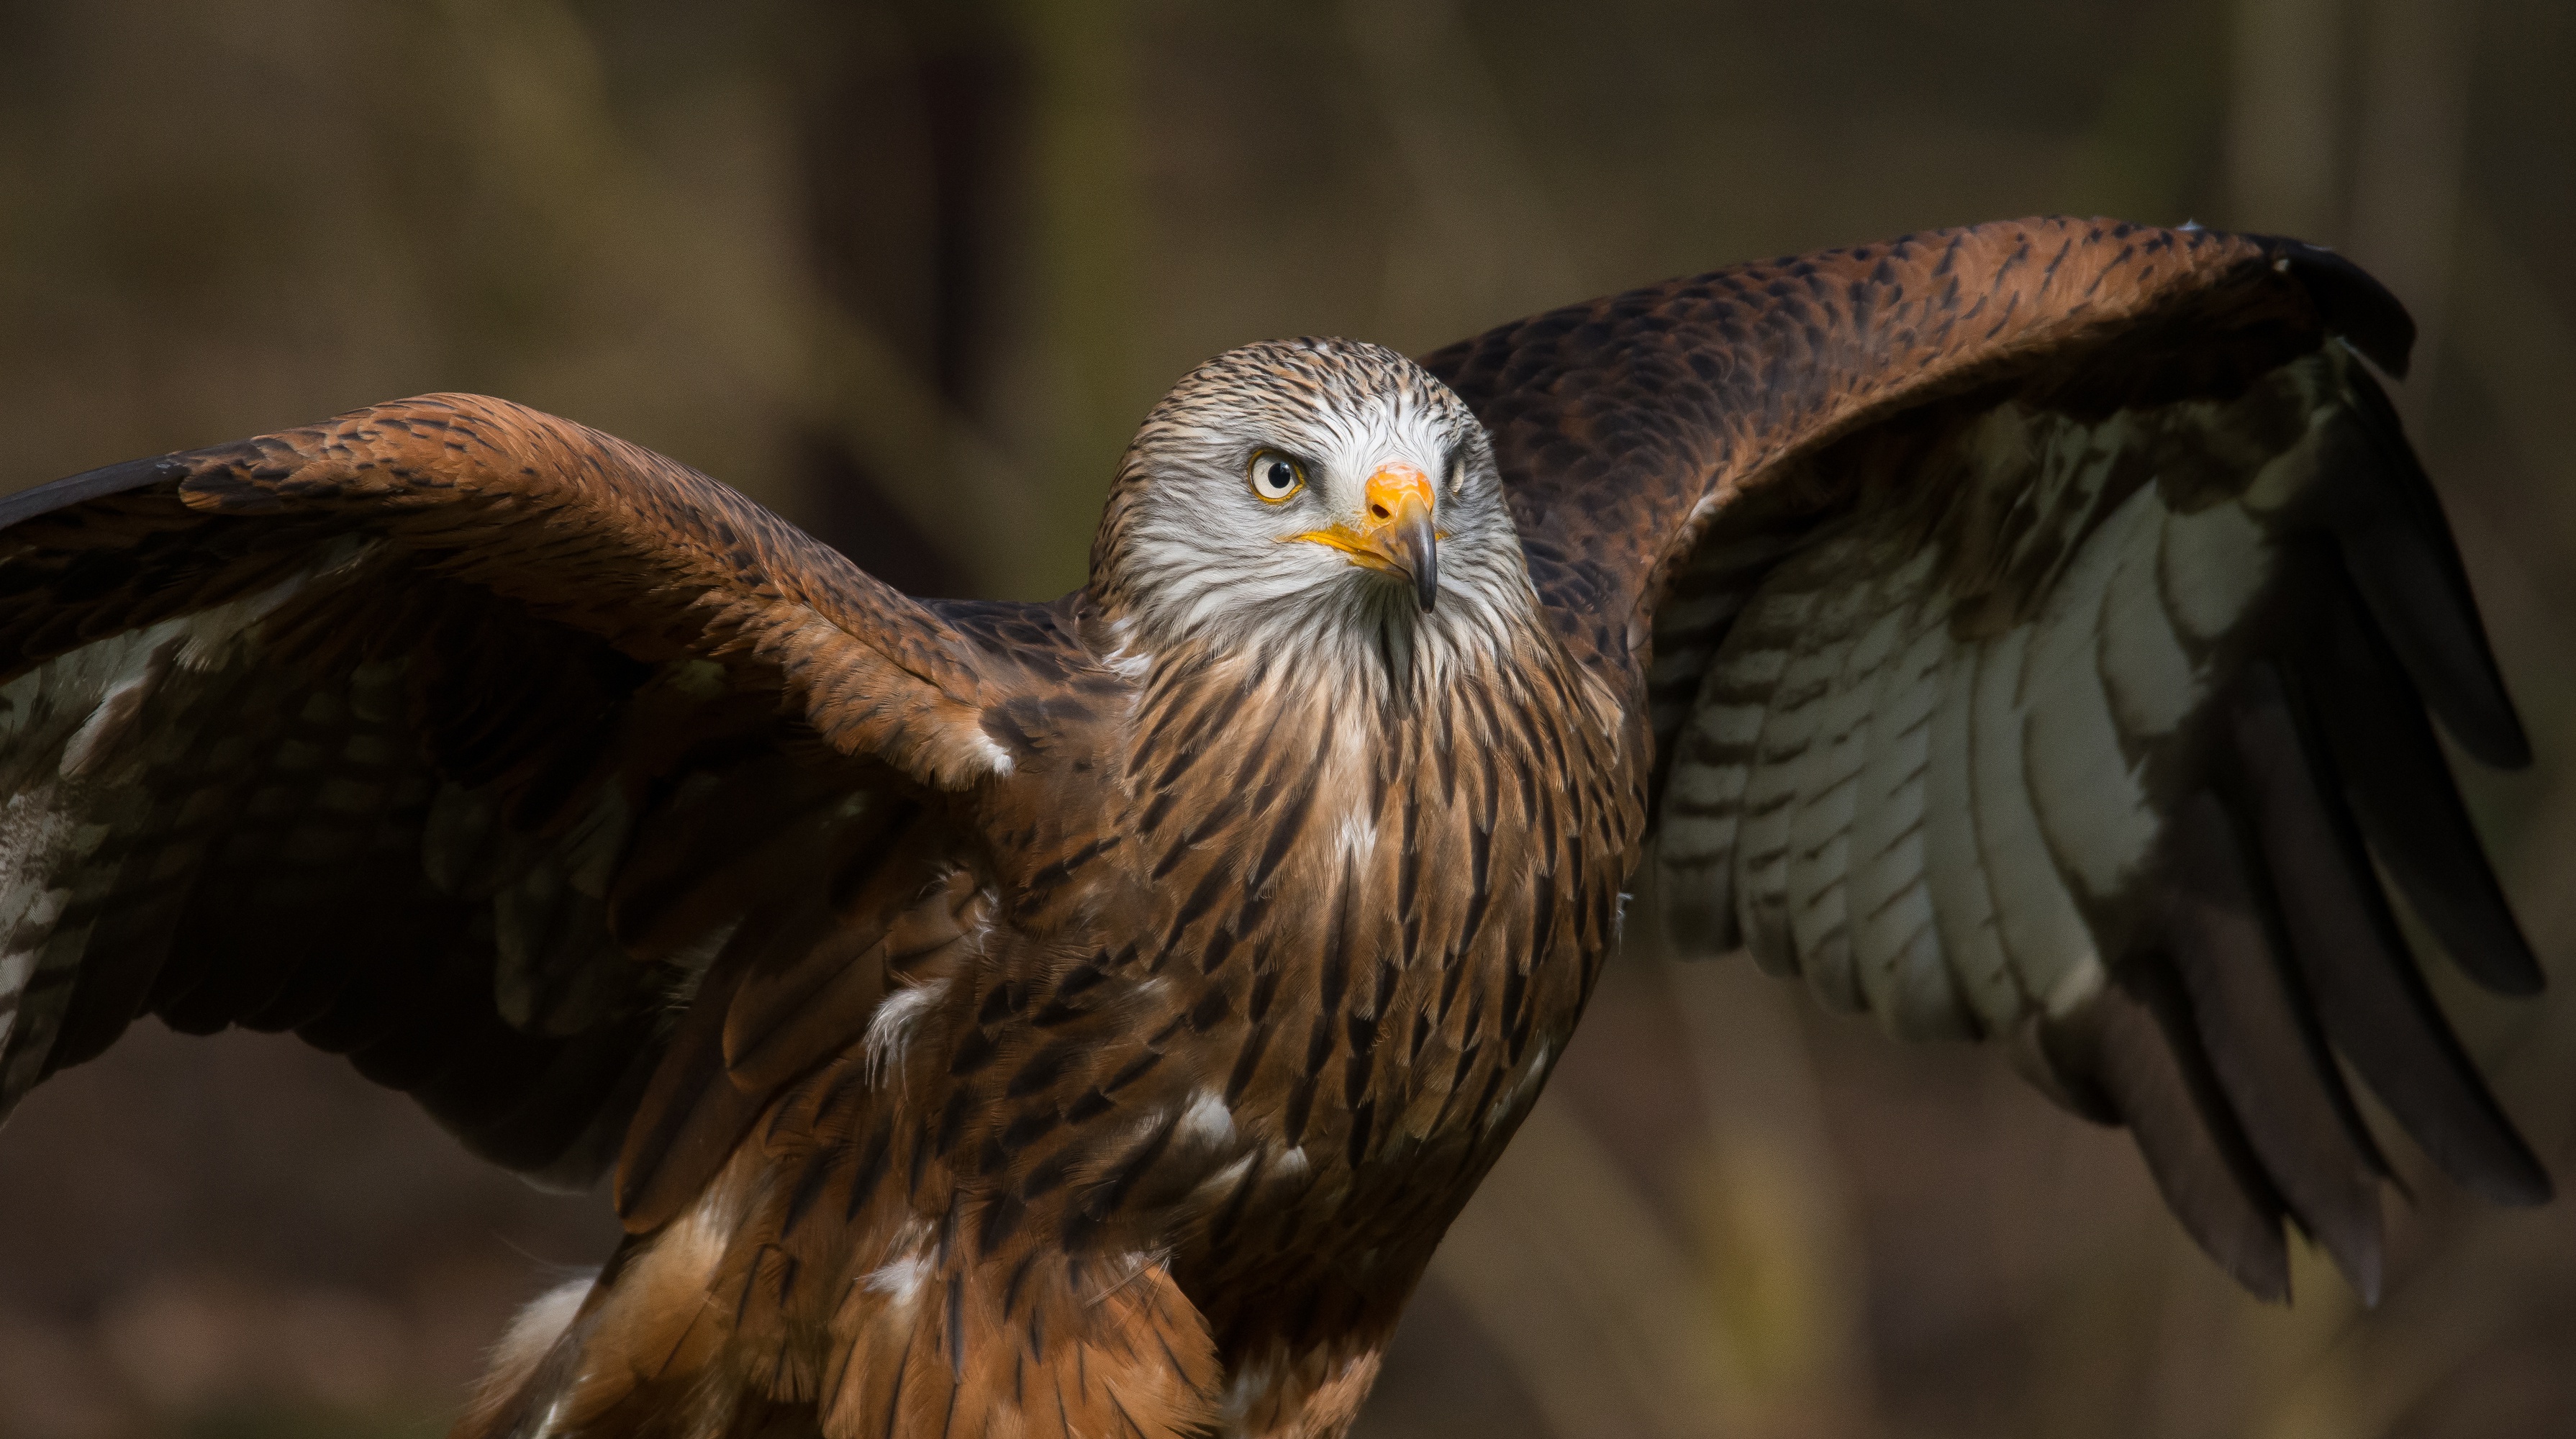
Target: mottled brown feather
[999,1032]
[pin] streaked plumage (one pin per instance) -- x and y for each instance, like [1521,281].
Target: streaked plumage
[1085,1018]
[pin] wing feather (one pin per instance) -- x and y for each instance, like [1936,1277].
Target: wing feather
[2394,536]
[1827,704]
[1761,846]
[464,741]
[2352,959]
[1963,896]
[2046,946]
[1896,937]
[2401,790]
[2264,1051]
[2041,627]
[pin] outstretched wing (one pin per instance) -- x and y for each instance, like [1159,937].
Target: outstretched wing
[465,741]
[2037,624]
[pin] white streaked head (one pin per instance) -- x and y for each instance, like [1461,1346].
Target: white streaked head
[1310,490]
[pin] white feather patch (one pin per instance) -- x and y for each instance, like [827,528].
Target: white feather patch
[890,1029]
[1207,1121]
[534,1331]
[901,1279]
[996,758]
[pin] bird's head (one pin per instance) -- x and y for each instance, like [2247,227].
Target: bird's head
[1315,487]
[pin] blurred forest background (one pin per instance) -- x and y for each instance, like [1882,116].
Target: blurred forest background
[910,273]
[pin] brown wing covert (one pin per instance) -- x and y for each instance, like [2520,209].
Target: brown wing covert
[452,737]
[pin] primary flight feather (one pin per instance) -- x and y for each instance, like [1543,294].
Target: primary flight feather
[1085,1018]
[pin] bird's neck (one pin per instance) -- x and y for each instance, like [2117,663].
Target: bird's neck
[1364,644]
[1389,694]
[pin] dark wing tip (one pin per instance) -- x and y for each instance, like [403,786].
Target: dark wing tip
[2525,1184]
[2135,1040]
[89,485]
[2382,744]
[2352,303]
[2398,546]
[2370,999]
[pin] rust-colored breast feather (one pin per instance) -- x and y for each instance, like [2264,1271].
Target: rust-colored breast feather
[2031,632]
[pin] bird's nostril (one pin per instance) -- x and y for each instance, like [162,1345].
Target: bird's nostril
[1380,511]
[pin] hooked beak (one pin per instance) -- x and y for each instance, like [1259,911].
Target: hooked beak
[1394,532]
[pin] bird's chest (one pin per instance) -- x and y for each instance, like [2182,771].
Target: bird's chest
[1368,943]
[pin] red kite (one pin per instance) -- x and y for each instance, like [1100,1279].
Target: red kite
[1084,1018]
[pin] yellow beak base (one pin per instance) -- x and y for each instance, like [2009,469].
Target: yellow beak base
[1394,533]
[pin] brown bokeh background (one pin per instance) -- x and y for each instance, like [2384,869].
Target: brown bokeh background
[911,272]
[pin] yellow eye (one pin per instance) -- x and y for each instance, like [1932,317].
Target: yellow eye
[1275,476]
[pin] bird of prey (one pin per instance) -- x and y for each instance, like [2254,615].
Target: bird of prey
[1083,1018]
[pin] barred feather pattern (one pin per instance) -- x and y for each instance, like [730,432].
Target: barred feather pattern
[1917,709]
[2022,742]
